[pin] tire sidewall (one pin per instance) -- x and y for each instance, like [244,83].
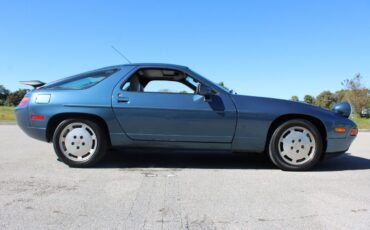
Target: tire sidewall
[100,148]
[274,144]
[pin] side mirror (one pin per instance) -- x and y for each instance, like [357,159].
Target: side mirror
[204,90]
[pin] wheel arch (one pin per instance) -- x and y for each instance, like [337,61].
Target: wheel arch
[56,119]
[283,118]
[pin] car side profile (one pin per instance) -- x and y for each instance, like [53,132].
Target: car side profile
[171,106]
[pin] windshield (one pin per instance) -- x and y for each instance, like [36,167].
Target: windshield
[220,85]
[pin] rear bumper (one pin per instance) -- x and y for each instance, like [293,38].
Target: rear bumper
[38,133]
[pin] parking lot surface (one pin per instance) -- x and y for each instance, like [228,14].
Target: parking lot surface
[142,189]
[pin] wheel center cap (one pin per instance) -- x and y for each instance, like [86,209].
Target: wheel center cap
[78,142]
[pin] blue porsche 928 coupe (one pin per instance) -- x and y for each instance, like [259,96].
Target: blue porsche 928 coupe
[171,106]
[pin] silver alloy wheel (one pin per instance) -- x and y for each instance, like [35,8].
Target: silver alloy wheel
[78,141]
[297,145]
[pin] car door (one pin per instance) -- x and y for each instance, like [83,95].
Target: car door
[180,117]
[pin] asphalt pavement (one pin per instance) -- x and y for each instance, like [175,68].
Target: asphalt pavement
[142,189]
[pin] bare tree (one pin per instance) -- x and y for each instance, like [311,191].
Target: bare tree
[356,93]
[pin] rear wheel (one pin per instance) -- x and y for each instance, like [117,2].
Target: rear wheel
[295,145]
[79,142]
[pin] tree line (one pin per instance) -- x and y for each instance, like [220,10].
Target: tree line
[9,98]
[353,91]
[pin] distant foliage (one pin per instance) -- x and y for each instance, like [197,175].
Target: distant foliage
[165,91]
[294,98]
[309,99]
[356,93]
[223,85]
[326,99]
[15,97]
[4,93]
[341,94]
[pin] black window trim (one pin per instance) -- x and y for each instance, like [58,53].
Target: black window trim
[162,68]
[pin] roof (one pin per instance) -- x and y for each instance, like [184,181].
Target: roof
[149,65]
[156,65]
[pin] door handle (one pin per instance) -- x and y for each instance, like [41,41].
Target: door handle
[122,99]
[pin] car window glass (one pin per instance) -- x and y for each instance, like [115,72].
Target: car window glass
[164,86]
[83,81]
[160,81]
[126,86]
[192,81]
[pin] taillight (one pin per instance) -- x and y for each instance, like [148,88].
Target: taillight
[354,131]
[24,101]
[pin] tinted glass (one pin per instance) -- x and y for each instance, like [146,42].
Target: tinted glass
[83,81]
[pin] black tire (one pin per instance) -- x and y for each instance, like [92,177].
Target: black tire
[100,143]
[276,147]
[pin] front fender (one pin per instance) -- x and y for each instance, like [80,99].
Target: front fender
[256,115]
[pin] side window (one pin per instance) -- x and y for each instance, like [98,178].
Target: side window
[83,81]
[163,86]
[191,81]
[126,86]
[160,81]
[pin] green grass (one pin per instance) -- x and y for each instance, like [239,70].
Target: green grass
[362,123]
[7,113]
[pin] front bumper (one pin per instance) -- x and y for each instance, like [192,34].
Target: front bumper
[339,145]
[328,156]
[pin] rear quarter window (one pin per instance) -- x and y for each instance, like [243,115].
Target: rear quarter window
[82,81]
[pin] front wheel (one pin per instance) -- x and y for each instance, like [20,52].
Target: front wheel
[295,145]
[79,142]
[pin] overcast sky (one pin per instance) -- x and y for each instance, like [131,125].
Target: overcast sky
[263,48]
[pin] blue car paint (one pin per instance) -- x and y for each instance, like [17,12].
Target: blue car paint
[175,117]
[136,119]
[256,115]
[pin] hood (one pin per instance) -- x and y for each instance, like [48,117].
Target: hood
[278,106]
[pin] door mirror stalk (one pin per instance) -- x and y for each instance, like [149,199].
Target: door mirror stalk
[205,91]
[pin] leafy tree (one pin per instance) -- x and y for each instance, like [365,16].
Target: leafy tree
[15,97]
[341,95]
[309,99]
[326,99]
[357,94]
[4,92]
[223,85]
[294,98]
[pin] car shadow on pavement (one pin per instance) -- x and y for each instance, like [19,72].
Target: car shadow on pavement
[342,163]
[143,158]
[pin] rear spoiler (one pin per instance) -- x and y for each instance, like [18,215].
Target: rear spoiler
[34,83]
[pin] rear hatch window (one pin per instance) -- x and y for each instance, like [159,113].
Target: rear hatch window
[81,81]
